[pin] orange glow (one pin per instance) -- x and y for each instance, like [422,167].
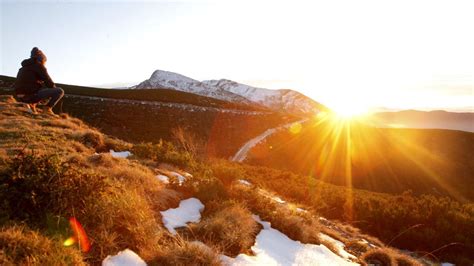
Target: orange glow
[79,237]
[295,128]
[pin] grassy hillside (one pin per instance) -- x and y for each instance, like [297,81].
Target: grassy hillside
[161,95]
[219,127]
[438,162]
[55,168]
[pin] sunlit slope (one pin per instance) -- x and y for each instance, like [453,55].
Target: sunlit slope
[382,160]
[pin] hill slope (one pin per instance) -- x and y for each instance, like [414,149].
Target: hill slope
[219,127]
[124,204]
[421,119]
[438,162]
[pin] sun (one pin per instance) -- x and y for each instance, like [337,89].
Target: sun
[349,110]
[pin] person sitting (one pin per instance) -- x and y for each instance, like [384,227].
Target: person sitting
[34,84]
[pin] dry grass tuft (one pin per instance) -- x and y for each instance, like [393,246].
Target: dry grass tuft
[92,139]
[21,246]
[230,229]
[404,260]
[121,218]
[356,247]
[303,228]
[188,253]
[379,257]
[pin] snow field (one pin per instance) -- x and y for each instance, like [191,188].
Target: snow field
[120,154]
[124,258]
[189,210]
[274,248]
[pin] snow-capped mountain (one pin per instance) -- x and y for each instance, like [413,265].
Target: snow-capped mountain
[170,80]
[287,100]
[228,90]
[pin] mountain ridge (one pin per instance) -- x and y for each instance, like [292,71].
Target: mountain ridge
[283,100]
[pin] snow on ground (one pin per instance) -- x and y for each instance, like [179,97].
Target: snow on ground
[244,182]
[189,210]
[187,175]
[180,178]
[120,154]
[124,258]
[278,199]
[163,179]
[274,248]
[363,241]
[339,245]
[241,155]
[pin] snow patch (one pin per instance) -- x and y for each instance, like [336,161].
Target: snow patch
[180,178]
[124,258]
[241,155]
[244,182]
[301,210]
[189,210]
[274,248]
[339,245]
[278,199]
[120,154]
[187,175]
[163,179]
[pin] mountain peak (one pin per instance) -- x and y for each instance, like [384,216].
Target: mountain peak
[175,81]
[224,89]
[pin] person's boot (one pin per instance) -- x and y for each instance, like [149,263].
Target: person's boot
[32,108]
[48,110]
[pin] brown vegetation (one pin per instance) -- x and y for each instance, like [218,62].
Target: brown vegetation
[49,169]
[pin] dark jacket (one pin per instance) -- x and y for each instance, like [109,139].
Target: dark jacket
[31,77]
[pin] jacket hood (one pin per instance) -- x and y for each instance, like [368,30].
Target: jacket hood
[29,61]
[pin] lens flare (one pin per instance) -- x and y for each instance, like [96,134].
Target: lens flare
[295,128]
[70,241]
[79,237]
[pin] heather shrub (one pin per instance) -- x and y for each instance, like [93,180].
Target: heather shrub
[21,246]
[163,152]
[225,171]
[41,184]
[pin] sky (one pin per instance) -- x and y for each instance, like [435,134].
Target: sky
[364,54]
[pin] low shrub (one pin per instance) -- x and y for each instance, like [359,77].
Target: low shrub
[163,152]
[21,246]
[42,184]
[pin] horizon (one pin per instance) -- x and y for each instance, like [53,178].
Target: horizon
[338,53]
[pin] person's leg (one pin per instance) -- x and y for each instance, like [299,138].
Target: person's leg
[55,94]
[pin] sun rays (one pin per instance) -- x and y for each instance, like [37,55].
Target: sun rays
[349,152]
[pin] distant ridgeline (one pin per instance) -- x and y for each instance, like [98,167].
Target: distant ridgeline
[144,115]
